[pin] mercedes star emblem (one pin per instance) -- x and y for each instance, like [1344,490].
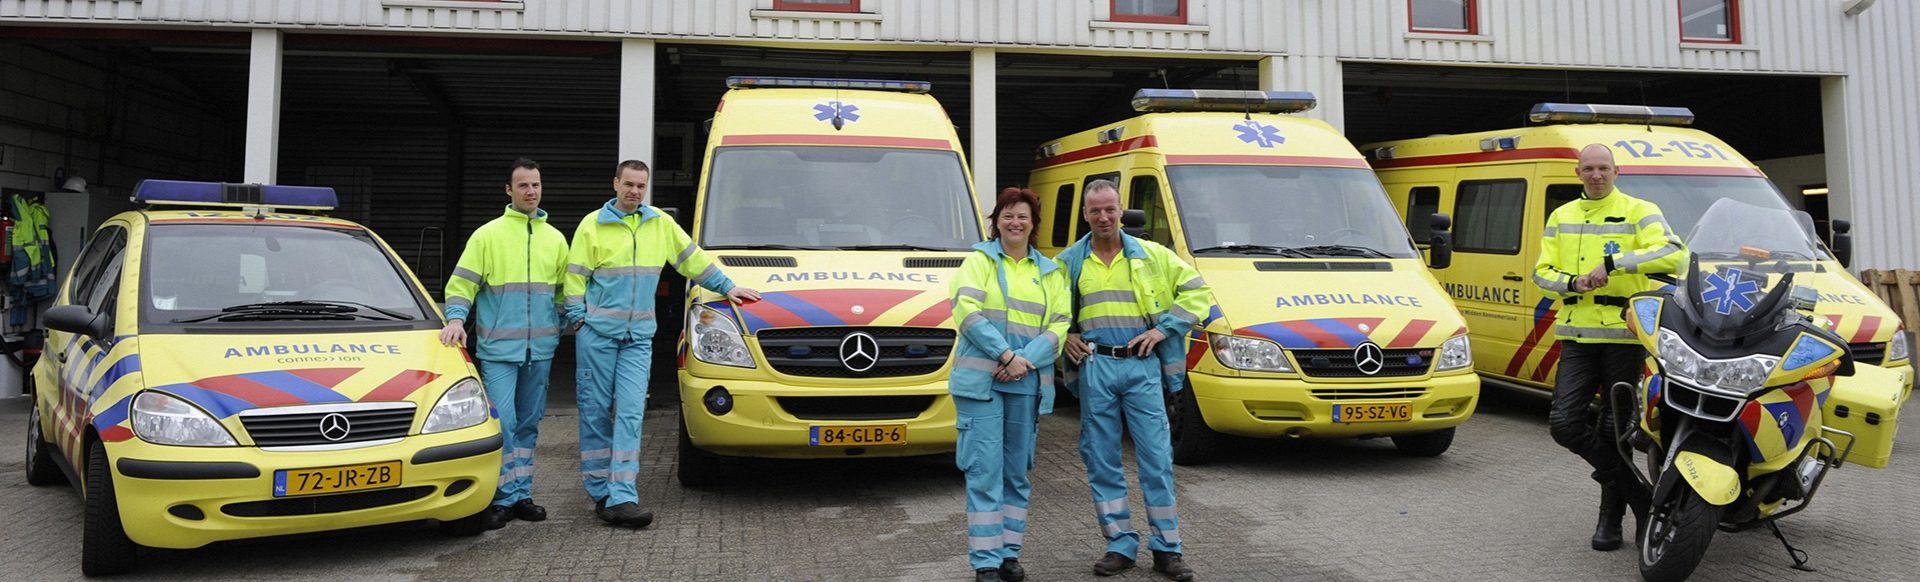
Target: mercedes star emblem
[859,351]
[334,426]
[1368,358]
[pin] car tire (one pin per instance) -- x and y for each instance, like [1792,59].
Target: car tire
[465,527]
[697,468]
[105,548]
[1193,441]
[1428,444]
[41,468]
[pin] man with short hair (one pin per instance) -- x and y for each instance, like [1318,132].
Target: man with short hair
[612,274]
[1134,301]
[508,281]
[1596,252]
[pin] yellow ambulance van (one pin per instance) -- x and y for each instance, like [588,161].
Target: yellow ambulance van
[848,205]
[1326,323]
[1500,185]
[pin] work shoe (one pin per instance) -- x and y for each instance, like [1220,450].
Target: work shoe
[1112,563]
[496,516]
[986,575]
[1170,565]
[525,510]
[1011,571]
[1606,534]
[627,514]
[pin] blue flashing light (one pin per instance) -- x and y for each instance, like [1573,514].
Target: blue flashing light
[1806,351]
[1163,100]
[824,83]
[1647,310]
[1604,113]
[181,192]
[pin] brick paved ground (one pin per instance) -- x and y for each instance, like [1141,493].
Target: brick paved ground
[1505,503]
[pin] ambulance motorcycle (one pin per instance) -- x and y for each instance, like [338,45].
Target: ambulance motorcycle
[1730,423]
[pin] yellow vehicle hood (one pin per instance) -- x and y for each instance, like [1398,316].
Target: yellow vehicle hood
[1857,314]
[1305,306]
[227,374]
[867,288]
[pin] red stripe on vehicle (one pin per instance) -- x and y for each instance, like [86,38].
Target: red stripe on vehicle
[933,316]
[1411,336]
[242,220]
[1271,160]
[1546,362]
[840,302]
[1691,171]
[1105,149]
[1869,325]
[774,315]
[116,433]
[1540,328]
[837,140]
[328,377]
[253,392]
[1319,337]
[1477,157]
[400,386]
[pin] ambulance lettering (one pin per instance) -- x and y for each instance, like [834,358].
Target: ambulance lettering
[1345,299]
[1507,295]
[852,276]
[318,349]
[1847,298]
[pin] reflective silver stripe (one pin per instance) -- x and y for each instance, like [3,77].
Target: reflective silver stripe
[1024,306]
[1114,322]
[1046,380]
[1653,219]
[517,332]
[983,542]
[580,270]
[1168,512]
[1116,528]
[1110,296]
[1171,536]
[626,271]
[1194,283]
[1593,332]
[1023,330]
[519,472]
[626,456]
[1014,537]
[468,274]
[1011,512]
[1551,231]
[684,253]
[1183,314]
[521,288]
[1110,506]
[975,363]
[983,518]
[1059,318]
[706,275]
[594,474]
[623,314]
[576,300]
[592,454]
[1052,339]
[972,293]
[623,476]
[453,300]
[982,317]
[1631,261]
[1549,285]
[1610,228]
[1173,369]
[522,453]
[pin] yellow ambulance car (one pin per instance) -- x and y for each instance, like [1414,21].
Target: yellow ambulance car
[1500,185]
[246,369]
[848,205]
[1327,324]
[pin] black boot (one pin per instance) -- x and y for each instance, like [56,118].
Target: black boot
[1606,534]
[986,575]
[1010,570]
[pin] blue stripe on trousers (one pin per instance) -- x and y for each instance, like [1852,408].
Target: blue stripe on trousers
[996,451]
[519,394]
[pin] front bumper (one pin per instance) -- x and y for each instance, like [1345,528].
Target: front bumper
[758,426]
[160,488]
[1275,407]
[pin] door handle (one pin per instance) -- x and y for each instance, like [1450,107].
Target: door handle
[1512,277]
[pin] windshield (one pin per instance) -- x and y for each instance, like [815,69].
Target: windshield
[1730,227]
[1288,207]
[1684,199]
[195,272]
[837,197]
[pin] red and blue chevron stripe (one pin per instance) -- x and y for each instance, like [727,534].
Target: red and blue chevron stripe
[820,307]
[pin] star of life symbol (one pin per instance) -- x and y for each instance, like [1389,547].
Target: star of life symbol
[832,109]
[1730,292]
[1613,246]
[1260,134]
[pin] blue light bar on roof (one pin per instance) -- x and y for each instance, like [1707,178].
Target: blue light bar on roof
[822,83]
[1160,100]
[181,192]
[1603,113]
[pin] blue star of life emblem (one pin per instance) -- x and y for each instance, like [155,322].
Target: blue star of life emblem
[1260,134]
[1730,292]
[832,109]
[1613,247]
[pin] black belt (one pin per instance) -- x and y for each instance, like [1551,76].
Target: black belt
[1114,352]
[1600,299]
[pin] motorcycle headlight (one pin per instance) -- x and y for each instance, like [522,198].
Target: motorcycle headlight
[714,339]
[1245,353]
[464,405]
[1457,353]
[1735,376]
[163,419]
[1897,349]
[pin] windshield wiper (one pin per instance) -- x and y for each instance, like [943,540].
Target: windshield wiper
[765,247]
[282,310]
[894,248]
[1343,251]
[1253,250]
[391,314]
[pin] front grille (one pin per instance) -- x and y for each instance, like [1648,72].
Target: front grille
[740,261]
[931,262]
[815,351]
[1693,402]
[1339,363]
[855,407]
[1869,353]
[319,504]
[1367,393]
[301,427]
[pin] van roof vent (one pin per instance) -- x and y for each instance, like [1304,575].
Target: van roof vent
[932,262]
[1323,266]
[740,261]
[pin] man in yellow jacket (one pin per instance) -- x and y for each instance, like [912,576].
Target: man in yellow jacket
[612,273]
[1598,251]
[508,282]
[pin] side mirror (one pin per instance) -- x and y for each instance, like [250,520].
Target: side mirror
[1134,222]
[1440,242]
[77,319]
[1843,242]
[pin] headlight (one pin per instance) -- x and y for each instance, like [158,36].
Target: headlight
[1244,353]
[714,339]
[1457,353]
[1897,349]
[1738,376]
[464,405]
[162,419]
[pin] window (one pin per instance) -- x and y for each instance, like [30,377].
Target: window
[1559,195]
[86,272]
[1446,16]
[1422,202]
[1144,193]
[1158,11]
[1490,214]
[798,196]
[1710,21]
[818,5]
[1063,213]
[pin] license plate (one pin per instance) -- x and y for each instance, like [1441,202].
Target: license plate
[1373,412]
[292,482]
[858,436]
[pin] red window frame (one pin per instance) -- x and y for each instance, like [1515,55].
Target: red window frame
[851,6]
[1473,20]
[1733,23]
[1113,14]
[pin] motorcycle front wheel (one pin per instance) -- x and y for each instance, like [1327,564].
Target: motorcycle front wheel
[1674,541]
